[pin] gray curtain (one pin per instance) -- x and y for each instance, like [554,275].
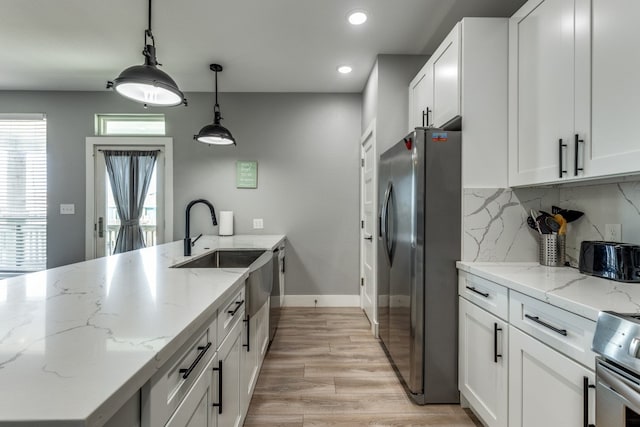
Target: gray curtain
[130,174]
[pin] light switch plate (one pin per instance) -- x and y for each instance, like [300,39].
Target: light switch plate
[613,232]
[67,209]
[258,223]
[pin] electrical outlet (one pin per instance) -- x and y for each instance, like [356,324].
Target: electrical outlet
[67,209]
[613,232]
[258,223]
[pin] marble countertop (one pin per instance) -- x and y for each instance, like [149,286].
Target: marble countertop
[564,287]
[77,341]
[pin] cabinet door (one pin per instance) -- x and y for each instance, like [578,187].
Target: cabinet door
[195,408]
[446,79]
[249,360]
[229,353]
[421,97]
[547,47]
[616,88]
[483,363]
[546,388]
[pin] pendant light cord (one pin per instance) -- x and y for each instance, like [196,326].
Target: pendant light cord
[216,107]
[147,32]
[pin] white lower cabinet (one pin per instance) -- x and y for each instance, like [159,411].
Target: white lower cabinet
[196,408]
[547,388]
[230,410]
[483,363]
[209,382]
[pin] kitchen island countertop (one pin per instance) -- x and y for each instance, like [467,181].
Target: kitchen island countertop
[76,342]
[563,287]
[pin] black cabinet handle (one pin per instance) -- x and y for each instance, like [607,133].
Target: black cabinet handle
[238,305]
[561,169]
[248,322]
[428,111]
[472,289]
[546,325]
[424,113]
[369,238]
[187,371]
[495,342]
[575,164]
[219,404]
[585,401]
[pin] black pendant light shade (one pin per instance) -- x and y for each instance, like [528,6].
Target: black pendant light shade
[215,133]
[146,83]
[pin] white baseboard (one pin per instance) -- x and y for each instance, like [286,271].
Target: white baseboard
[322,300]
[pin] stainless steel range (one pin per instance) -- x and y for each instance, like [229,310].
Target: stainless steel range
[617,341]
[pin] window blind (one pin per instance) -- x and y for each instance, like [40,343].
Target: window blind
[23,193]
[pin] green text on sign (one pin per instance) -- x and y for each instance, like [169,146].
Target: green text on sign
[247,174]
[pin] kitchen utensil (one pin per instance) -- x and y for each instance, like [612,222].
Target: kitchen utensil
[552,223]
[540,222]
[532,224]
[568,214]
[563,224]
[534,217]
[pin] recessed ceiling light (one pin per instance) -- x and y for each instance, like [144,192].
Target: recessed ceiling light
[357,17]
[344,69]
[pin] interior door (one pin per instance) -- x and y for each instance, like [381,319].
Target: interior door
[106,218]
[368,228]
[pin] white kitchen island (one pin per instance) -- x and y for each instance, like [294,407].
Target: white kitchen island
[78,341]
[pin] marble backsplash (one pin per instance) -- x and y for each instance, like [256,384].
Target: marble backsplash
[494,219]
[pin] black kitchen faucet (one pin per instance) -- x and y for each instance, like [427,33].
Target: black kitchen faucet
[187,238]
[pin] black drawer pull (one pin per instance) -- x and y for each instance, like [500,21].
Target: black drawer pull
[472,289]
[186,372]
[219,404]
[238,305]
[546,325]
[495,342]
[585,401]
[248,322]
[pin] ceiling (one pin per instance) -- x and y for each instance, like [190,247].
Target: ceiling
[264,45]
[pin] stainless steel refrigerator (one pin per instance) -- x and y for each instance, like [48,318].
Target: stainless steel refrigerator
[419,221]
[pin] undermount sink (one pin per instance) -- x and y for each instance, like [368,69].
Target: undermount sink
[223,259]
[259,262]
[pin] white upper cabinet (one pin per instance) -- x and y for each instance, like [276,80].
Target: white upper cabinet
[573,90]
[466,77]
[421,97]
[434,94]
[446,79]
[548,89]
[615,148]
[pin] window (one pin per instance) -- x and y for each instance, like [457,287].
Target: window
[23,193]
[129,124]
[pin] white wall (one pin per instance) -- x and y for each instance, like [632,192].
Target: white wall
[495,226]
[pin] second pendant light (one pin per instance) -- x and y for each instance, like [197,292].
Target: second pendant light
[215,133]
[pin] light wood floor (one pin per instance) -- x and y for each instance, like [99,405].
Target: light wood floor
[325,369]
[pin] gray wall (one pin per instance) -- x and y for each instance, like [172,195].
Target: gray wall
[307,150]
[395,72]
[386,97]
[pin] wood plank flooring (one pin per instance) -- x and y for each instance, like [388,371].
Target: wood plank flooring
[325,369]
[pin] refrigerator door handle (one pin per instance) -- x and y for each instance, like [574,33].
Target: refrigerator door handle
[384,221]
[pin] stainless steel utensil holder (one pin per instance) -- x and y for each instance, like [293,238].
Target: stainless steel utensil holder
[552,250]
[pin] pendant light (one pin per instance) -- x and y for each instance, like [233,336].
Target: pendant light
[215,133]
[146,83]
